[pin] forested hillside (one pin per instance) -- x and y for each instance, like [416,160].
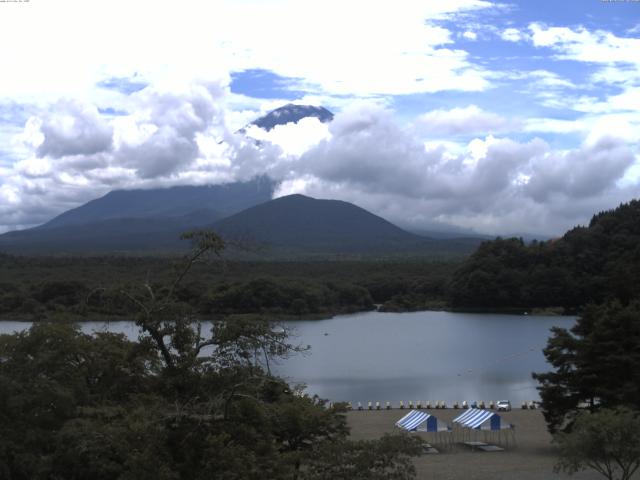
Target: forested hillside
[81,288]
[587,265]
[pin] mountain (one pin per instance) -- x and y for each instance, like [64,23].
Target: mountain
[138,220]
[297,224]
[217,200]
[290,113]
[297,221]
[291,226]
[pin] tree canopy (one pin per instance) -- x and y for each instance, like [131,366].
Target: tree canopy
[591,264]
[181,402]
[607,441]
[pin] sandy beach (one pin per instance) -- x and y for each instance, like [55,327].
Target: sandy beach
[533,457]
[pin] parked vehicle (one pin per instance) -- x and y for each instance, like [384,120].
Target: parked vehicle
[503,406]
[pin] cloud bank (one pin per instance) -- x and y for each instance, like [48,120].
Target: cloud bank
[493,184]
[461,113]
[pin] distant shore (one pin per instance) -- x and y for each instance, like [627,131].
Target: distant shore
[532,458]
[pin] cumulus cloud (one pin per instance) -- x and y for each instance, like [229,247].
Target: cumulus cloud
[366,155]
[143,116]
[585,172]
[292,138]
[73,128]
[495,185]
[74,153]
[161,136]
[463,121]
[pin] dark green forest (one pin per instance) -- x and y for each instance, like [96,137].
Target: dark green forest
[590,264]
[587,265]
[77,288]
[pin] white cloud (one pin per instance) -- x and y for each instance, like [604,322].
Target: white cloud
[592,128]
[293,138]
[72,149]
[76,154]
[469,35]
[627,101]
[549,88]
[342,48]
[72,128]
[496,186]
[463,121]
[585,172]
[548,79]
[512,35]
[492,184]
[586,46]
[618,66]
[161,136]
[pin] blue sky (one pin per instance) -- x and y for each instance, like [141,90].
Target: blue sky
[502,117]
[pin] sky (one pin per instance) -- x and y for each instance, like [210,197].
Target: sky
[510,117]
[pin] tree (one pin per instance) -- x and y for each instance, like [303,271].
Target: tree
[53,375]
[165,319]
[597,363]
[607,441]
[178,403]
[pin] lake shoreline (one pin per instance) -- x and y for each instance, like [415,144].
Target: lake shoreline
[320,316]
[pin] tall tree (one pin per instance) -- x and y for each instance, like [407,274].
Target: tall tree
[596,363]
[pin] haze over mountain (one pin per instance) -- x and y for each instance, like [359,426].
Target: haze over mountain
[291,225]
[111,236]
[211,202]
[138,220]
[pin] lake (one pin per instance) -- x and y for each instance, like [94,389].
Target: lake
[376,356]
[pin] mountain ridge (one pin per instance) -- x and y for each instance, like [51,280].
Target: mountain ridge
[294,225]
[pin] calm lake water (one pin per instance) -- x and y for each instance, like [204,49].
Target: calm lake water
[423,356]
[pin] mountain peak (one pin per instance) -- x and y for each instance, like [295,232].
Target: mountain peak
[291,113]
[297,223]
